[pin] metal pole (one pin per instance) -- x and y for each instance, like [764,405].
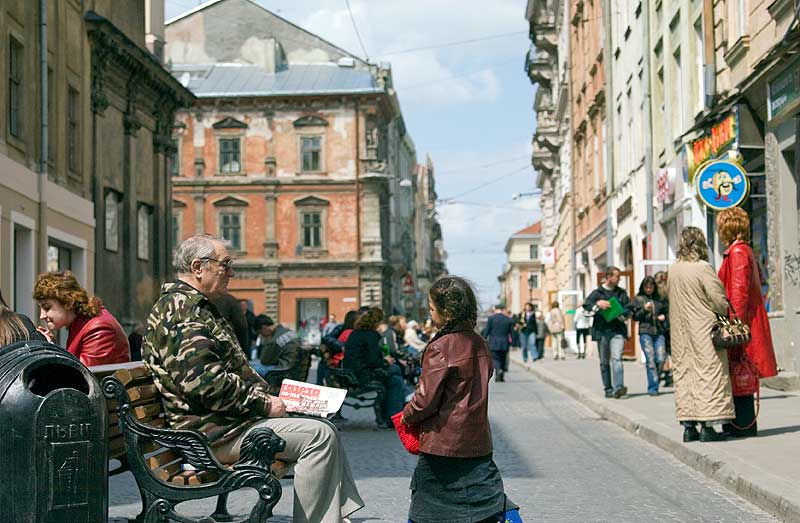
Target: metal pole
[358,208]
[708,53]
[609,126]
[648,137]
[568,143]
[41,255]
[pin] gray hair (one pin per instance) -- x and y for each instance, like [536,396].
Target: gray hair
[194,248]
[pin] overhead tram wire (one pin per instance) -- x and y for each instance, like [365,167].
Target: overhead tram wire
[358,34]
[493,180]
[457,75]
[452,44]
[482,166]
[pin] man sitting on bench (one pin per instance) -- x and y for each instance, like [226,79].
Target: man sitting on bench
[207,385]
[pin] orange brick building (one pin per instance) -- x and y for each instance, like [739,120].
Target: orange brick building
[292,152]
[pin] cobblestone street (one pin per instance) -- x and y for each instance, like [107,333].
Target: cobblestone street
[560,463]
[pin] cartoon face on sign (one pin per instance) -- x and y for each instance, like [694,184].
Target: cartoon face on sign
[721,184]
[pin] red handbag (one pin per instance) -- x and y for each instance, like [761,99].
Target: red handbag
[744,382]
[409,435]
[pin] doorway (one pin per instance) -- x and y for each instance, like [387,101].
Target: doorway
[310,313]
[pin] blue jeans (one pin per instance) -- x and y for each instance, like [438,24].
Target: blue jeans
[654,350]
[523,342]
[610,348]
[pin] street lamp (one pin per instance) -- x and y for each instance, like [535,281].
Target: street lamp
[531,282]
[517,196]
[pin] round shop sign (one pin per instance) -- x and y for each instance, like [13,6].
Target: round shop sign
[721,184]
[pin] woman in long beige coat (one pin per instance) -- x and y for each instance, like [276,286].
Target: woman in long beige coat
[702,381]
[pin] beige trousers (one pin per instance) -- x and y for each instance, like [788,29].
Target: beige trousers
[324,490]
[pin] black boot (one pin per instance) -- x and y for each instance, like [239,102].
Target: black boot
[668,378]
[690,432]
[500,376]
[708,434]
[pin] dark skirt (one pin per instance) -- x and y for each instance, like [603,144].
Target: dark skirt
[456,490]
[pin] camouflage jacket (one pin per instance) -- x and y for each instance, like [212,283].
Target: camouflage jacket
[199,368]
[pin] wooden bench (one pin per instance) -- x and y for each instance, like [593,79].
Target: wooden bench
[173,466]
[358,396]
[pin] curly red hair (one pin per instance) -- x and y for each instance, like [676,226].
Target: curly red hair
[733,224]
[63,287]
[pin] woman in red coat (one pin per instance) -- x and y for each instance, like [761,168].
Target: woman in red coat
[742,279]
[95,337]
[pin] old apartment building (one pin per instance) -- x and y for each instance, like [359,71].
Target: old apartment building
[83,184]
[296,151]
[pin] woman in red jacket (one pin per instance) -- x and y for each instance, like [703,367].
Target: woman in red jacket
[742,279]
[95,337]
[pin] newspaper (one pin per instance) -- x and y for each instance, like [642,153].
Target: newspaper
[311,400]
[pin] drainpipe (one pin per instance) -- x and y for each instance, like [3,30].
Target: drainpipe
[358,207]
[41,256]
[568,143]
[648,137]
[609,126]
[709,60]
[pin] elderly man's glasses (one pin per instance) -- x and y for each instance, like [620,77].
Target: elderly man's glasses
[224,264]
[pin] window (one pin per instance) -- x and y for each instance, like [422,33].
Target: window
[143,226]
[173,158]
[73,129]
[676,80]
[112,220]
[698,52]
[15,88]
[230,228]
[59,258]
[311,153]
[534,251]
[312,230]
[176,229]
[533,280]
[229,157]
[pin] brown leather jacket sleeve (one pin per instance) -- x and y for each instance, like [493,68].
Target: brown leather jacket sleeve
[428,396]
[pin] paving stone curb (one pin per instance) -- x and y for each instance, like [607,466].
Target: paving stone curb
[721,472]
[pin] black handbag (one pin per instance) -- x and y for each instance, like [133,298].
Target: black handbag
[729,331]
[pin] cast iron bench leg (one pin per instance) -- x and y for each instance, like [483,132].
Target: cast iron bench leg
[221,513]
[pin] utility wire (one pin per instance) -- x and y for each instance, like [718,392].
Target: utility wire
[452,44]
[482,166]
[358,34]
[457,75]
[493,180]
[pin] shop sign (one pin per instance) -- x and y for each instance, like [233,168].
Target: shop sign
[712,143]
[548,256]
[783,92]
[721,184]
[665,185]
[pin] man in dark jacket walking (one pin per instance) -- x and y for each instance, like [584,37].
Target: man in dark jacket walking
[610,333]
[498,332]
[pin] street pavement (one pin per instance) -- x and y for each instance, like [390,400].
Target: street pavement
[763,470]
[560,461]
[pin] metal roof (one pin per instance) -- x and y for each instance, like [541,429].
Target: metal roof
[228,80]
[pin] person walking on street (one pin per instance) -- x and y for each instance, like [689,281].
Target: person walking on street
[583,322]
[555,324]
[661,286]
[498,332]
[456,478]
[207,385]
[527,332]
[742,280]
[702,381]
[650,310]
[541,334]
[610,333]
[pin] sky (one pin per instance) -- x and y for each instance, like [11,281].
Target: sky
[469,106]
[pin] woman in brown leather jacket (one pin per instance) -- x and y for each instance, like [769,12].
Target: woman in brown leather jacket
[450,407]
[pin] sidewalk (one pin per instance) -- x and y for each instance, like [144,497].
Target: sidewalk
[763,470]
